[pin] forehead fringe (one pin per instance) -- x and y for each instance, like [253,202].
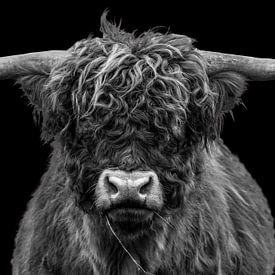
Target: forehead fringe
[101,72]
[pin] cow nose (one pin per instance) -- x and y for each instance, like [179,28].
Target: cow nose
[118,186]
[121,186]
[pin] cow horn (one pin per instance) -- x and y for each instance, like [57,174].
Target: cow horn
[253,68]
[16,65]
[259,69]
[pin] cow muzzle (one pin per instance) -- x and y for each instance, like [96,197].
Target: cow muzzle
[129,199]
[139,189]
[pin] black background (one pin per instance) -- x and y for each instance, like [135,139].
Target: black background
[224,27]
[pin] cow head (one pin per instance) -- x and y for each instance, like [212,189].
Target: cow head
[132,114]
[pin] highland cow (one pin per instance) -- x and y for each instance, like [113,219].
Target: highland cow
[139,180]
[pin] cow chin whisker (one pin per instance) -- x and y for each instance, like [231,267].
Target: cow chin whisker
[92,206]
[126,250]
[164,220]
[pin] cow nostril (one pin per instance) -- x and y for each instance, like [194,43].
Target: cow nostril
[146,187]
[111,186]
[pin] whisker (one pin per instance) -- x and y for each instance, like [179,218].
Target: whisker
[92,205]
[91,189]
[164,220]
[132,258]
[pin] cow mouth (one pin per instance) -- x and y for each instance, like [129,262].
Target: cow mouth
[135,215]
[130,222]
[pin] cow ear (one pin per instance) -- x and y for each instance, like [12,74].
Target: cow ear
[48,112]
[32,83]
[229,86]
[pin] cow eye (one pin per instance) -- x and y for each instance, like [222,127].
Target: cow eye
[172,146]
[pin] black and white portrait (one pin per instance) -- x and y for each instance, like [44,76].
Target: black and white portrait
[137,139]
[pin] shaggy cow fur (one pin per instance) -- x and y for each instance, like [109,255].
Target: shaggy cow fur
[141,103]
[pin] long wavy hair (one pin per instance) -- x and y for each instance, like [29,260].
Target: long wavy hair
[145,102]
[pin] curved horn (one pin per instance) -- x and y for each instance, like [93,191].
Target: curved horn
[15,65]
[253,68]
